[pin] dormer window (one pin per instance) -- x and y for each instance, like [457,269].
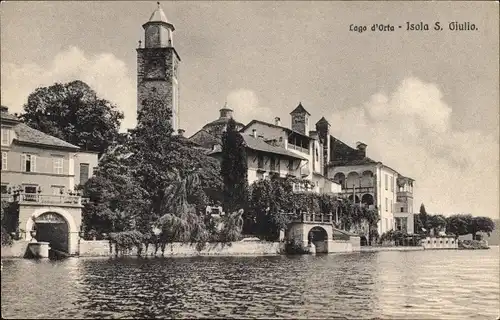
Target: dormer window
[5,137]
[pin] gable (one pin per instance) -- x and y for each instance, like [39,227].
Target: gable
[205,139]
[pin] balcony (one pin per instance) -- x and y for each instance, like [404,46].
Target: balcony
[401,208]
[359,190]
[406,194]
[314,218]
[49,199]
[298,148]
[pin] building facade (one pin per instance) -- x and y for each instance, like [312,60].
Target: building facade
[158,65]
[39,175]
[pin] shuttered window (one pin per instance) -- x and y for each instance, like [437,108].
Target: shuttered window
[28,163]
[84,173]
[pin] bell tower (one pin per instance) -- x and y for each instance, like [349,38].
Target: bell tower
[158,64]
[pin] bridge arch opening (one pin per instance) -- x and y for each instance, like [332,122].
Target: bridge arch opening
[319,237]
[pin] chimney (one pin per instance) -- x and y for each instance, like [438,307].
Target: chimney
[361,147]
[277,121]
[181,132]
[254,133]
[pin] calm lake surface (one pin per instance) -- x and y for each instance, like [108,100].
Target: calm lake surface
[388,285]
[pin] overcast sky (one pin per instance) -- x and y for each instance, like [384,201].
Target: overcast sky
[426,103]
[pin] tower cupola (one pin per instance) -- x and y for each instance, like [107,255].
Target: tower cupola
[158,32]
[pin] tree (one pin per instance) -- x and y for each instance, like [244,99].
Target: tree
[481,224]
[458,224]
[436,222]
[73,112]
[159,160]
[113,193]
[271,201]
[421,221]
[234,169]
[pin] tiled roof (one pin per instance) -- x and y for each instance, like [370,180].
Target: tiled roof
[205,139]
[158,15]
[300,109]
[273,126]
[322,120]
[29,135]
[8,116]
[260,145]
[352,162]
[221,121]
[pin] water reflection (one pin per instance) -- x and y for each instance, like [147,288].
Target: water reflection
[446,284]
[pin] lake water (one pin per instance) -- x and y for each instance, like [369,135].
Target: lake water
[389,285]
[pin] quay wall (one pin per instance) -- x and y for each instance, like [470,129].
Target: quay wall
[439,243]
[377,249]
[103,248]
[18,249]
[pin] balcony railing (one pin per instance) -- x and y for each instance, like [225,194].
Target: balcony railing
[314,217]
[358,190]
[298,148]
[404,194]
[44,198]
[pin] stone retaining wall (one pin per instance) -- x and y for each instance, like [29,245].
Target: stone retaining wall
[377,249]
[18,249]
[102,248]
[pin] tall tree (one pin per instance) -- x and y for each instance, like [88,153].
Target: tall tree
[234,169]
[74,113]
[458,224]
[481,224]
[114,195]
[160,160]
[421,221]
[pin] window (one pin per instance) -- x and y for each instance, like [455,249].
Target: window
[58,165]
[386,181]
[386,203]
[5,137]
[273,164]
[402,209]
[30,189]
[290,164]
[260,161]
[28,163]
[392,183]
[4,160]
[84,173]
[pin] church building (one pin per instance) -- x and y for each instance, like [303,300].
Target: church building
[328,164]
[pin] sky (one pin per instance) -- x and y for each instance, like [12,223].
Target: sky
[425,102]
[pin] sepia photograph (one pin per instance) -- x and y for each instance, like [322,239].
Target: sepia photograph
[250,159]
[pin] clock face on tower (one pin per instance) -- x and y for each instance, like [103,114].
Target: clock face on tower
[155,69]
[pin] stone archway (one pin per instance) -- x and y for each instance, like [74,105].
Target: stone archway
[53,228]
[319,237]
[353,198]
[59,222]
[367,199]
